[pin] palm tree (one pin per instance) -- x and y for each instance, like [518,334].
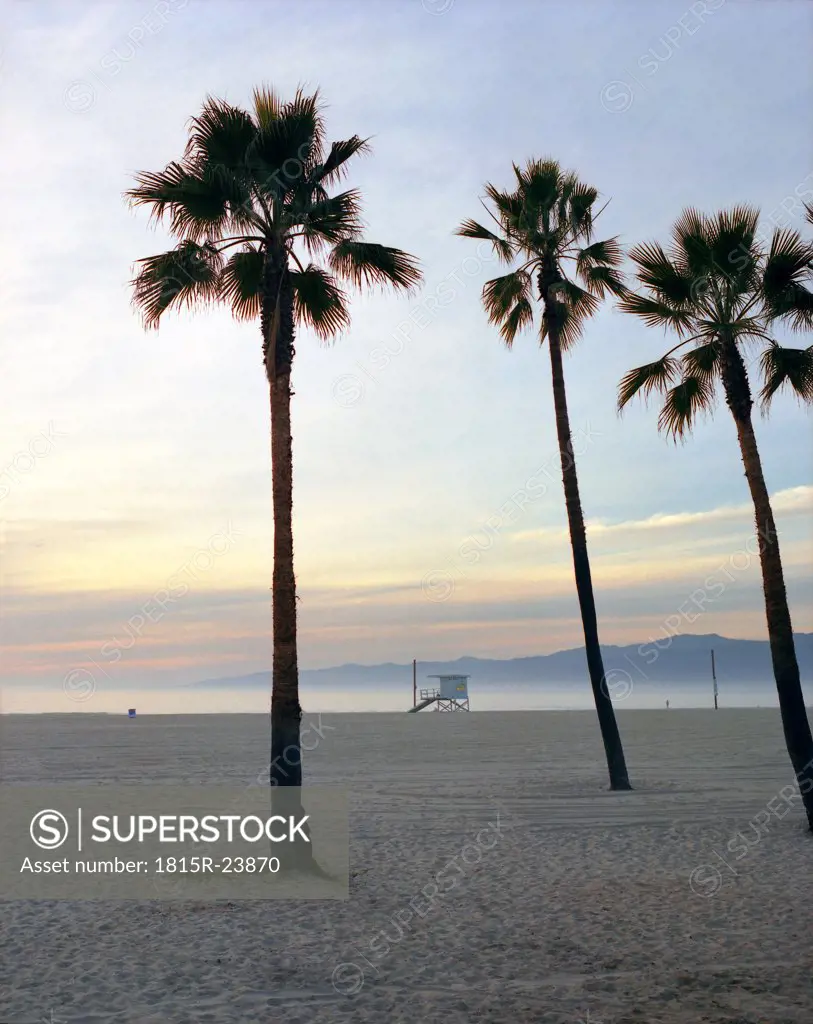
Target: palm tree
[260,183]
[719,290]
[544,223]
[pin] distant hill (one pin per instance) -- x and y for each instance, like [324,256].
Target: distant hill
[681,659]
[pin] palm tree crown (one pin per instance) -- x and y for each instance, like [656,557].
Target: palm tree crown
[259,183]
[547,222]
[719,289]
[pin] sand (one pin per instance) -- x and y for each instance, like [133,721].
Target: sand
[578,905]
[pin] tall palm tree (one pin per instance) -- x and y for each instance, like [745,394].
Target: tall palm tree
[261,183]
[719,291]
[544,226]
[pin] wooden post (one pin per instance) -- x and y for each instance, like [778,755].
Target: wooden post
[714,679]
[414,682]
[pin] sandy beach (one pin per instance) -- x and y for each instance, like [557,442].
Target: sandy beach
[686,900]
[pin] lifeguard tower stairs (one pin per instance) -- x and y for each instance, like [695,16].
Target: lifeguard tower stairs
[451,694]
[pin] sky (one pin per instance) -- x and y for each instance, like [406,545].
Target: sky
[135,492]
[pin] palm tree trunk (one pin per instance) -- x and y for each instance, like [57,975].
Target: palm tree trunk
[613,748]
[286,756]
[780,631]
[278,348]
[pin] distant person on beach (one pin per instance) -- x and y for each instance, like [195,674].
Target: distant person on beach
[667,705]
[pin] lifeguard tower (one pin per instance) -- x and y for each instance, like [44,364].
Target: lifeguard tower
[451,694]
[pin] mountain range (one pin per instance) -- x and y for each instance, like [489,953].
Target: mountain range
[684,659]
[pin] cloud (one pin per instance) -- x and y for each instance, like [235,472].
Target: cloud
[794,501]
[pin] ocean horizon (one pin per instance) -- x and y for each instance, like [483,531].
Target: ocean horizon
[364,699]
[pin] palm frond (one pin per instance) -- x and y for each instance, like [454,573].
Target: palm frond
[367,263]
[684,402]
[241,282]
[603,281]
[564,222]
[702,362]
[307,109]
[646,379]
[579,301]
[732,235]
[787,366]
[690,249]
[580,210]
[267,106]
[502,294]
[567,307]
[657,313]
[809,212]
[333,167]
[185,276]
[329,219]
[220,137]
[539,188]
[509,206]
[319,301]
[670,282]
[540,180]
[606,253]
[502,246]
[786,279]
[570,322]
[651,256]
[197,204]
[518,317]
[287,146]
